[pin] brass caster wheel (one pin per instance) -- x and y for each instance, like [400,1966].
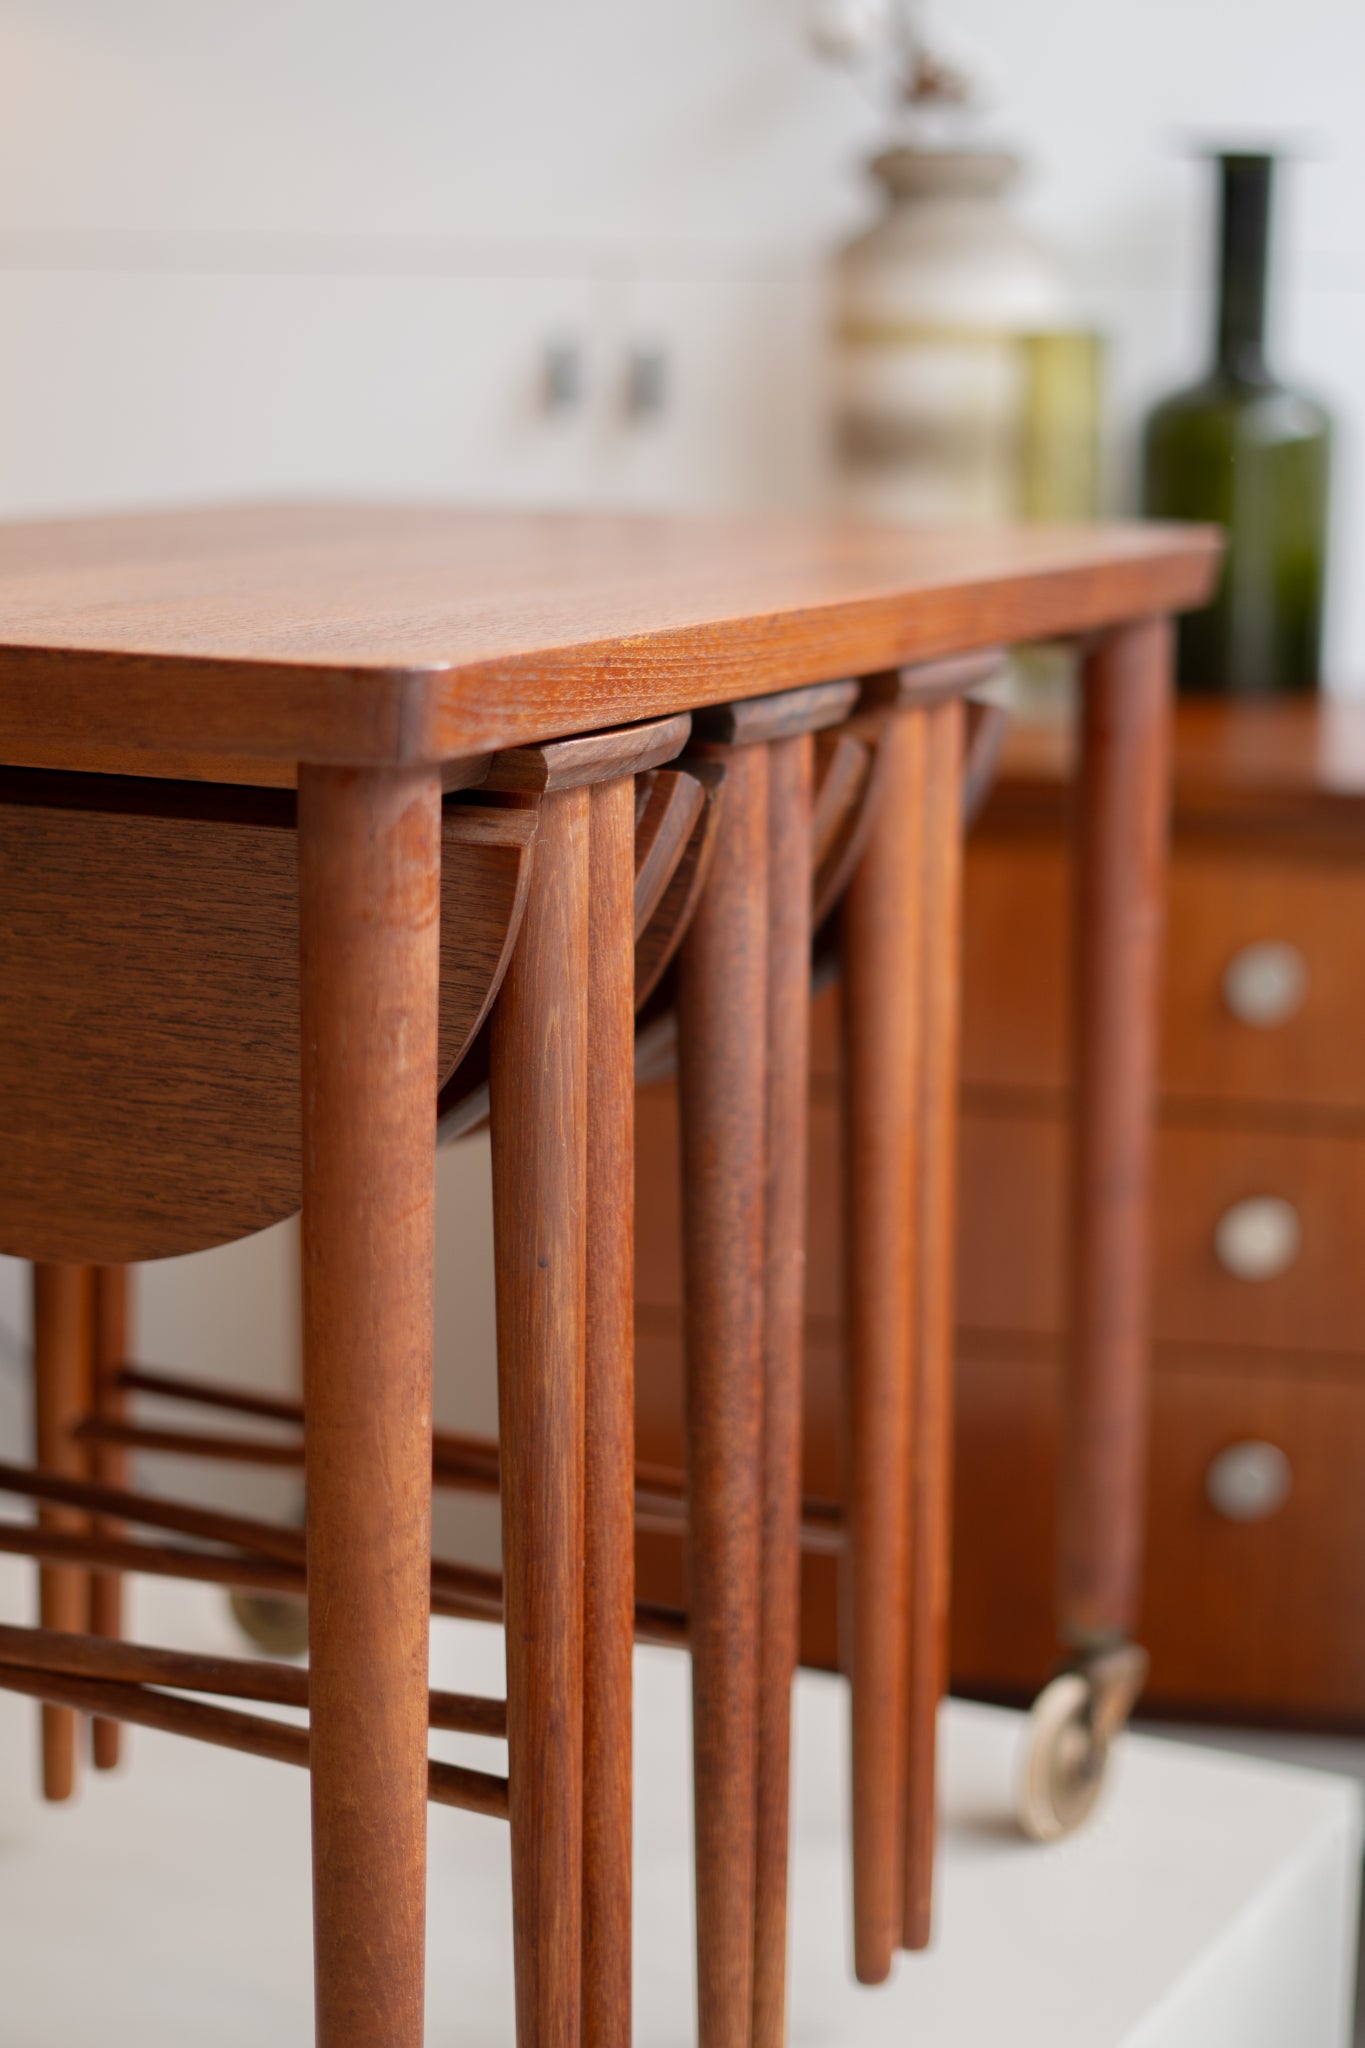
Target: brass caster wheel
[1071,1731]
[275,1622]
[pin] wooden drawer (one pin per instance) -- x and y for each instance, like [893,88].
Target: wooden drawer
[1251,1616]
[1219,908]
[1011,1246]
[1016,945]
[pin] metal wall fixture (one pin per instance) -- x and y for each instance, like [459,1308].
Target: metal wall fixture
[644,388]
[562,380]
[646,381]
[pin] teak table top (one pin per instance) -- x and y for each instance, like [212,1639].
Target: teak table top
[408,633]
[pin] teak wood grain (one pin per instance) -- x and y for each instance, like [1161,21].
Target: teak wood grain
[369,947]
[783,716]
[609,1417]
[389,634]
[149,1011]
[882,998]
[594,757]
[935,1251]
[108,1464]
[63,1370]
[539,1125]
[657,944]
[790,784]
[266,1681]
[841,767]
[722,1007]
[228,1728]
[667,807]
[842,838]
[1120,871]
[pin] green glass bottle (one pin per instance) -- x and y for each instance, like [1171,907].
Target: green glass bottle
[1241,449]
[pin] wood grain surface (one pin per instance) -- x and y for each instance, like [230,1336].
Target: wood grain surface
[63,1370]
[149,1062]
[369,877]
[657,944]
[408,633]
[781,716]
[108,1465]
[609,1418]
[722,1009]
[882,993]
[931,1448]
[1120,884]
[539,1128]
[790,788]
[1299,759]
[667,806]
[593,757]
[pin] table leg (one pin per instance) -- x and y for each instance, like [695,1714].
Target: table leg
[369,902]
[1120,901]
[108,1465]
[882,1001]
[609,1426]
[722,1004]
[790,772]
[935,1250]
[538,1119]
[63,1349]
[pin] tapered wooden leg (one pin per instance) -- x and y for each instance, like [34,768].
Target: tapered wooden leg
[790,771]
[369,900]
[538,1100]
[1120,882]
[108,1465]
[722,1002]
[882,985]
[63,1346]
[609,1431]
[935,1250]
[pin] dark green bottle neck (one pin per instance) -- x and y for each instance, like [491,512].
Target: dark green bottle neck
[1243,248]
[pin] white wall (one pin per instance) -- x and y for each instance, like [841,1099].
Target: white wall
[323,244]
[1109,96]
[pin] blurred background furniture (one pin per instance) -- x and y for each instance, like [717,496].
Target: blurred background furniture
[1254,1605]
[1255,1584]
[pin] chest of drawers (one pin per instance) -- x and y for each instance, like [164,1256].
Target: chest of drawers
[1255,1587]
[1255,1583]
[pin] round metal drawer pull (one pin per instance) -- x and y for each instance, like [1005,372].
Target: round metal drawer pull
[1265,984]
[1249,1482]
[1258,1239]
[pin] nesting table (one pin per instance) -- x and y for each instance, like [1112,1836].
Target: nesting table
[320,677]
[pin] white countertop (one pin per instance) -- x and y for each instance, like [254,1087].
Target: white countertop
[1212,1901]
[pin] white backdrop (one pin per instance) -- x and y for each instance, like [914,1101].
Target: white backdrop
[324,244]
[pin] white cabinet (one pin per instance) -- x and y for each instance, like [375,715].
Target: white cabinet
[128,386]
[734,367]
